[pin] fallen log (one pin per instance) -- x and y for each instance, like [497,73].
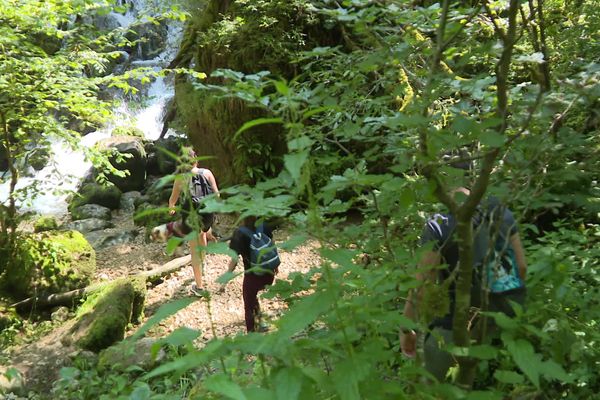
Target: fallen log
[69,298]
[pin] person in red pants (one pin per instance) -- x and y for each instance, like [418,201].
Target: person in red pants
[258,274]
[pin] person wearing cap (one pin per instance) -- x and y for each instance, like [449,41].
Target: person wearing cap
[439,262]
[190,209]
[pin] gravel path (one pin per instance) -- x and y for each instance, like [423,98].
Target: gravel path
[41,360]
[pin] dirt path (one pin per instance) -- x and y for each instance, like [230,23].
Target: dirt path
[41,360]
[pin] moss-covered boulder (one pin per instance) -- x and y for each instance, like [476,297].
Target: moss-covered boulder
[49,262]
[8,317]
[45,223]
[128,130]
[103,318]
[93,193]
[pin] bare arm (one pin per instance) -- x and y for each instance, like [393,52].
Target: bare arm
[213,182]
[175,193]
[408,339]
[429,259]
[232,264]
[517,245]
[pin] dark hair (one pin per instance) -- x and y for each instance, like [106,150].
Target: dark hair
[249,221]
[459,159]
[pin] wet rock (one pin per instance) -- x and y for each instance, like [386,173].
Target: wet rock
[100,239]
[128,201]
[90,211]
[131,158]
[61,314]
[93,193]
[88,225]
[12,382]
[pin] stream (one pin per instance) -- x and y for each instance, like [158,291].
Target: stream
[67,167]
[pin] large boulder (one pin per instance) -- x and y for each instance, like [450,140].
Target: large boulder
[50,262]
[88,225]
[161,160]
[126,354]
[93,193]
[151,39]
[91,211]
[105,315]
[131,158]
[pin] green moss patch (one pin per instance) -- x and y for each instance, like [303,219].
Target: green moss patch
[102,320]
[50,262]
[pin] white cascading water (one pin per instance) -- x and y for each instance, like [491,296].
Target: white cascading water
[67,167]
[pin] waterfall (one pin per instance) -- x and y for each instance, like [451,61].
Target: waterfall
[66,167]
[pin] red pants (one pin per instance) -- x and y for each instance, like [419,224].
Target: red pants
[250,288]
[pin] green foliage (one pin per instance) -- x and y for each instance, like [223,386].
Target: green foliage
[45,224]
[128,131]
[49,262]
[367,122]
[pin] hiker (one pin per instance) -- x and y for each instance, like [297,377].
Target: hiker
[200,184]
[261,262]
[498,254]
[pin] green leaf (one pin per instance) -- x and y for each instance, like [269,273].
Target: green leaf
[509,377]
[318,110]
[256,122]
[300,143]
[181,336]
[189,361]
[293,242]
[227,276]
[282,87]
[288,383]
[484,395]
[220,248]
[304,312]
[492,139]
[342,257]
[526,359]
[141,392]
[172,244]
[223,385]
[294,162]
[166,310]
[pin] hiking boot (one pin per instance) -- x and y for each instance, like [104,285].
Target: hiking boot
[198,292]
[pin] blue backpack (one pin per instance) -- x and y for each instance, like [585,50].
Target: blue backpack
[263,252]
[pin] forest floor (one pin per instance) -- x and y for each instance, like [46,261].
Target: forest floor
[40,360]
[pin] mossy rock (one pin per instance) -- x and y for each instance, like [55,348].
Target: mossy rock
[8,317]
[103,318]
[128,131]
[127,354]
[38,158]
[44,224]
[90,211]
[50,262]
[108,196]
